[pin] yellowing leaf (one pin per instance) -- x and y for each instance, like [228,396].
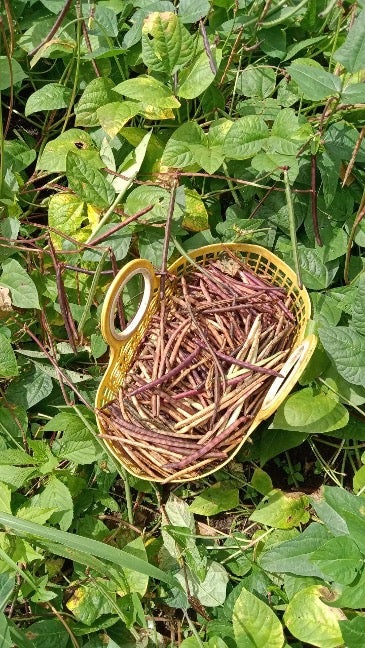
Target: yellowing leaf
[93,215]
[113,116]
[196,216]
[311,620]
[66,213]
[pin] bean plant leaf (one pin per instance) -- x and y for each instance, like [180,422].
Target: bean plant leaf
[313,81]
[166,43]
[8,363]
[255,625]
[148,90]
[76,443]
[191,12]
[339,559]
[178,152]
[312,620]
[294,556]
[113,116]
[75,140]
[52,96]
[57,496]
[353,631]
[311,411]
[246,137]
[22,288]
[7,79]
[220,497]
[66,213]
[346,348]
[88,183]
[194,80]
[258,82]
[351,54]
[281,510]
[358,310]
[96,94]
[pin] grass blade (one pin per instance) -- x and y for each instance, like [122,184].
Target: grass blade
[85,545]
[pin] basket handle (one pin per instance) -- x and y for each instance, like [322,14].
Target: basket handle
[291,372]
[130,270]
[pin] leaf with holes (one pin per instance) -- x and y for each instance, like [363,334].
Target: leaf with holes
[53,157]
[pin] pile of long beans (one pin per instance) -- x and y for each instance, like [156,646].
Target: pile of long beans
[201,372]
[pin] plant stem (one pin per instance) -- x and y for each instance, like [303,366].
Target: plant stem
[292,226]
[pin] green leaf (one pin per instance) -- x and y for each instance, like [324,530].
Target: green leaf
[5,637]
[88,183]
[106,20]
[79,543]
[7,584]
[52,96]
[310,411]
[5,498]
[220,497]
[16,477]
[13,421]
[135,581]
[351,54]
[246,137]
[210,592]
[190,12]
[166,43]
[74,140]
[311,620]
[194,80]
[96,94]
[350,596]
[8,364]
[22,288]
[281,510]
[258,82]
[18,156]
[178,152]
[346,348]
[314,82]
[353,631]
[7,79]
[339,559]
[57,496]
[30,388]
[358,310]
[48,633]
[76,443]
[113,116]
[255,624]
[261,481]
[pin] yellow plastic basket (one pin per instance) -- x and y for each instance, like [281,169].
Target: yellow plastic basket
[123,345]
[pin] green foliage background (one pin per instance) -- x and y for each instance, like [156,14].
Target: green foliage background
[257,109]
